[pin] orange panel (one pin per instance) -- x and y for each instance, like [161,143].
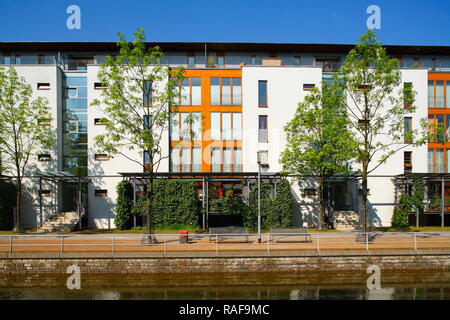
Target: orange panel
[206,108]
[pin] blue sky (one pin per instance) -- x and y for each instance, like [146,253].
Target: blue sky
[413,22]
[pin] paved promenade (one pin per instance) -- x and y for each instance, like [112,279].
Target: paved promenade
[198,245]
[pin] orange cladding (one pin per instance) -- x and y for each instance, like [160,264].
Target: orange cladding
[205,108]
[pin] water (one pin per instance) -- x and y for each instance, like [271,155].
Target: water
[417,285]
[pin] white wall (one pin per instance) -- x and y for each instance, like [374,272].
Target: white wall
[34,75]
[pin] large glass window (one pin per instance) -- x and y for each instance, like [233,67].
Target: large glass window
[226,91]
[196,92]
[430,160]
[185,160]
[185,93]
[227,160]
[262,93]
[174,160]
[237,165]
[430,94]
[226,126]
[262,129]
[408,130]
[215,125]
[196,159]
[185,122]
[439,160]
[215,159]
[439,94]
[237,126]
[147,93]
[448,94]
[174,127]
[196,126]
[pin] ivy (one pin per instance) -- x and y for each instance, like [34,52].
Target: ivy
[174,202]
[7,202]
[123,219]
[275,212]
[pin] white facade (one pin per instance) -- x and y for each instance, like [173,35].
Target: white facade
[284,92]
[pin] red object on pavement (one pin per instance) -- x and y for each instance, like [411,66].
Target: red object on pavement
[184,238]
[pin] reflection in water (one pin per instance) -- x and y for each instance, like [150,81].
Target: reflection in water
[266,286]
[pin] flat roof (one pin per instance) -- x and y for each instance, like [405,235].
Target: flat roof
[218,46]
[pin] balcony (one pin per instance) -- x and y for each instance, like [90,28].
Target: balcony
[79,64]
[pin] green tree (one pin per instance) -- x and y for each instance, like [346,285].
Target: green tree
[25,130]
[319,141]
[136,101]
[376,105]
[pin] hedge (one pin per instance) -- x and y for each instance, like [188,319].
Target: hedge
[7,202]
[275,212]
[123,219]
[174,202]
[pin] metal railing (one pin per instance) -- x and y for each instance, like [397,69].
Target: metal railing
[200,244]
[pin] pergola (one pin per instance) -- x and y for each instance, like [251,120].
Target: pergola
[407,178]
[139,179]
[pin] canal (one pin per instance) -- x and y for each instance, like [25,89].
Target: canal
[415,285]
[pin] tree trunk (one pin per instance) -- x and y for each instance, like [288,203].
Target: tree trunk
[364,198]
[322,204]
[150,222]
[18,207]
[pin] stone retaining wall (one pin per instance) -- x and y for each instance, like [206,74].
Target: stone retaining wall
[224,264]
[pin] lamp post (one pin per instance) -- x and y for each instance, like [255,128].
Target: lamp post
[259,196]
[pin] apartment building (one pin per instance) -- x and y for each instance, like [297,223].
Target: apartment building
[240,94]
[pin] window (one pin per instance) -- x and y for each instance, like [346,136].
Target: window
[439,94]
[436,122]
[215,160]
[439,160]
[308,86]
[147,94]
[407,161]
[101,193]
[262,93]
[262,129]
[101,157]
[43,86]
[226,126]
[174,160]
[297,61]
[100,122]
[190,92]
[408,130]
[185,159]
[237,164]
[196,159]
[407,95]
[215,125]
[186,126]
[225,91]
[237,126]
[263,158]
[253,60]
[430,160]
[227,160]
[99,85]
[430,94]
[147,122]
[309,192]
[44,157]
[191,60]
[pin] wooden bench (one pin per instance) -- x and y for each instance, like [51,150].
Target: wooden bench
[223,232]
[289,232]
